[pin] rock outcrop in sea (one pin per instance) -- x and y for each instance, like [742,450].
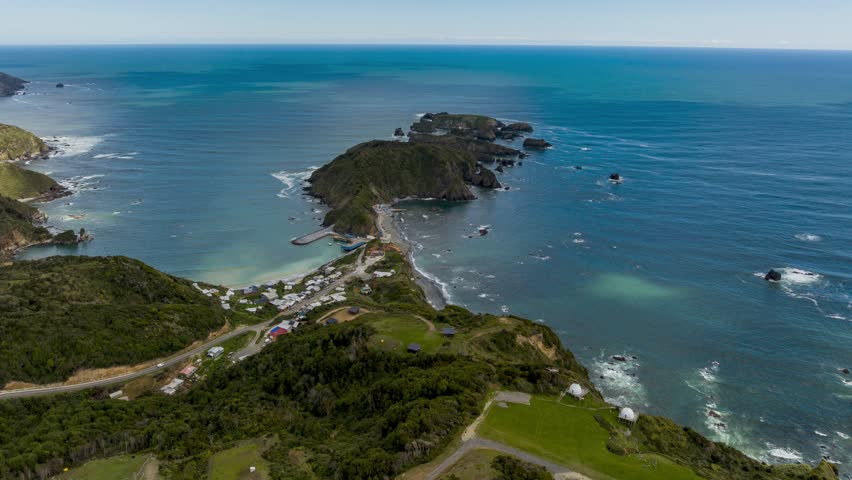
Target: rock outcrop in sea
[536,143]
[772,276]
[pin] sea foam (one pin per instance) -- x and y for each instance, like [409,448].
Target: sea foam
[292,181]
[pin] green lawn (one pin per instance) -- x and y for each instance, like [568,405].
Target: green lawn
[234,463]
[572,437]
[396,331]
[123,467]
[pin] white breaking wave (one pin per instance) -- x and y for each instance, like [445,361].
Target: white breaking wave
[82,183]
[798,277]
[808,237]
[784,453]
[292,181]
[619,381]
[71,146]
[120,156]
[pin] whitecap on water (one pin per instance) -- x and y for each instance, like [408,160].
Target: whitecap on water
[292,181]
[71,146]
[808,237]
[820,434]
[619,381]
[842,435]
[784,453]
[81,183]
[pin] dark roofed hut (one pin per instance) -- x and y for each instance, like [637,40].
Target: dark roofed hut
[448,332]
[354,310]
[413,348]
[331,321]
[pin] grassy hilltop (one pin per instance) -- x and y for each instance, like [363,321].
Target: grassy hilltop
[347,401]
[16,144]
[19,183]
[66,313]
[381,171]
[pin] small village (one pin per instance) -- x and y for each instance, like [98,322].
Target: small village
[280,307]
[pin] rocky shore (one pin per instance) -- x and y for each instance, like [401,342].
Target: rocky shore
[10,85]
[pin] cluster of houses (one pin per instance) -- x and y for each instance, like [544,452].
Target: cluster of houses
[282,328]
[210,292]
[283,302]
[188,372]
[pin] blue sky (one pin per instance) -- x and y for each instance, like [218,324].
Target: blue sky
[816,24]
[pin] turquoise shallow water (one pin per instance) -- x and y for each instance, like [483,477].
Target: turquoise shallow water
[734,162]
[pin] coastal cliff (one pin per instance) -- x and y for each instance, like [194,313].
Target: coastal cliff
[20,183]
[20,227]
[10,85]
[444,155]
[383,171]
[350,397]
[19,144]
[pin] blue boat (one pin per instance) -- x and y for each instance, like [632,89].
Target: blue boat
[349,248]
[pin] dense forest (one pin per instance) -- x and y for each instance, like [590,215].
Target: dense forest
[65,313]
[328,401]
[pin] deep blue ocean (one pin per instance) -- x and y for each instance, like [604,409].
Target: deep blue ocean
[734,162]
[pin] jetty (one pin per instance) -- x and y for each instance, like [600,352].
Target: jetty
[314,236]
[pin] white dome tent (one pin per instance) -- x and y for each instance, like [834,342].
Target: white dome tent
[576,391]
[627,415]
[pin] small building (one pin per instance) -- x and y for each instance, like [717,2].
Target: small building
[188,371]
[277,332]
[172,386]
[627,416]
[250,290]
[116,394]
[381,274]
[261,301]
[414,348]
[366,290]
[269,295]
[448,332]
[576,391]
[215,352]
[354,310]
[331,321]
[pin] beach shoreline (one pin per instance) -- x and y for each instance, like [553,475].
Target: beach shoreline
[391,231]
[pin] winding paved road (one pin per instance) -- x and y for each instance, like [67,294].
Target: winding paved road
[250,349]
[47,390]
[492,445]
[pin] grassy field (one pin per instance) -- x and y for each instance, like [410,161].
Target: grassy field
[475,465]
[124,467]
[572,437]
[396,331]
[17,183]
[234,463]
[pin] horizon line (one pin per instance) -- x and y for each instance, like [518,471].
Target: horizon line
[638,45]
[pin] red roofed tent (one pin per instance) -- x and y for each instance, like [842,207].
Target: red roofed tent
[277,332]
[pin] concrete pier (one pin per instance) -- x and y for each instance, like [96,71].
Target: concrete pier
[313,236]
